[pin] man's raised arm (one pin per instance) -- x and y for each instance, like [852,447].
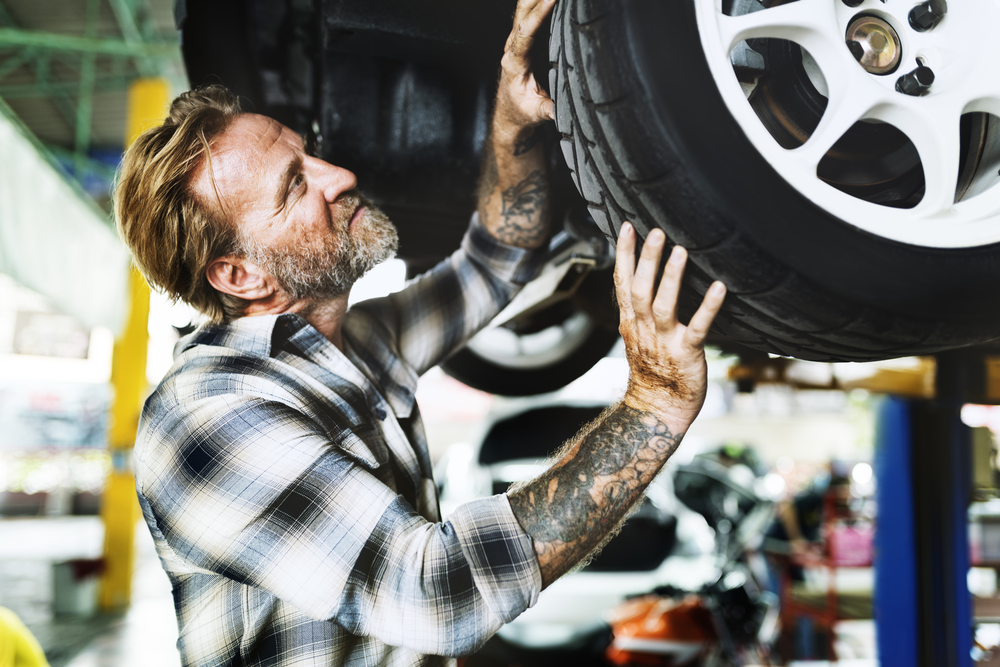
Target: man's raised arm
[571,509]
[514,186]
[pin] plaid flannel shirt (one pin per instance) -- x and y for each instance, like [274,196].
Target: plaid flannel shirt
[289,490]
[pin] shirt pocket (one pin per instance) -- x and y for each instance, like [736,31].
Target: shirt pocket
[365,443]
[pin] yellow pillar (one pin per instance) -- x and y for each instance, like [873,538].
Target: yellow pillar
[147,105]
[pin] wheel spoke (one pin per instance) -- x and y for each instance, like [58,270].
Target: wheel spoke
[934,130]
[941,168]
[981,89]
[848,104]
[810,23]
[990,104]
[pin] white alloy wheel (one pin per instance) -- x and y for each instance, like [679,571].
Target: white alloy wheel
[962,51]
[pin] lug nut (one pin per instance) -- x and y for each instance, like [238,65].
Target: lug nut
[928,14]
[917,82]
[875,44]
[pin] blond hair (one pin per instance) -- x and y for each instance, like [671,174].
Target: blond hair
[173,237]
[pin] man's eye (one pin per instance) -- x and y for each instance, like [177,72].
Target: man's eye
[298,180]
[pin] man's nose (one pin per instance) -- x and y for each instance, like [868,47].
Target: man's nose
[333,180]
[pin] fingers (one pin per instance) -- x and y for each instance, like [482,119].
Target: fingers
[698,328]
[546,108]
[665,303]
[645,273]
[624,269]
[521,102]
[634,287]
[528,18]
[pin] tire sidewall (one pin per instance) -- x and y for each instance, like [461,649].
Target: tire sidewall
[491,376]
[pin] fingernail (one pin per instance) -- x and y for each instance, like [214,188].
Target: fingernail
[717,289]
[626,229]
[656,237]
[676,255]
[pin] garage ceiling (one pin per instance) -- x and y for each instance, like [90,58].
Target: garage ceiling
[65,68]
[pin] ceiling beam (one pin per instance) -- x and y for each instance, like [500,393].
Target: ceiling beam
[85,97]
[47,41]
[62,102]
[20,91]
[15,62]
[125,16]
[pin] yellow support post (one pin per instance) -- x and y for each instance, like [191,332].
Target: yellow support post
[147,105]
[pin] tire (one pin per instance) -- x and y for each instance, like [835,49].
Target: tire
[649,138]
[567,349]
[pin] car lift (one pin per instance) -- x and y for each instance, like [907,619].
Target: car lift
[923,463]
[923,609]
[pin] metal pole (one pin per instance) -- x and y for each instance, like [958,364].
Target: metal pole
[895,537]
[49,41]
[942,483]
[85,98]
[148,99]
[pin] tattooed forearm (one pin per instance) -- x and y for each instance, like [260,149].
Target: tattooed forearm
[571,509]
[522,207]
[514,190]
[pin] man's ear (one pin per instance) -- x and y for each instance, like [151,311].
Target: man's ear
[237,276]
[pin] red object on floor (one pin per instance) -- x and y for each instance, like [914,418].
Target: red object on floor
[654,630]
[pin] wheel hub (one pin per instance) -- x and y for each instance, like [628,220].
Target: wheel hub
[874,44]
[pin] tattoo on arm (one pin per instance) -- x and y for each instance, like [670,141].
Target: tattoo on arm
[522,206]
[517,214]
[572,509]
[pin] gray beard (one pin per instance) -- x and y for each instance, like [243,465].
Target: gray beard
[332,269]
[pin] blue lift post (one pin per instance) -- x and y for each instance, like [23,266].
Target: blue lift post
[895,537]
[923,609]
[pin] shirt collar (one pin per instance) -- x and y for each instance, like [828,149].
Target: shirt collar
[248,334]
[266,335]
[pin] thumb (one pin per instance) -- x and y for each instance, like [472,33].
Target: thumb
[545,109]
[548,108]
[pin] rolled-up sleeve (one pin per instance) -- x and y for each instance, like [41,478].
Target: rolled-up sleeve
[441,588]
[508,263]
[437,312]
[502,557]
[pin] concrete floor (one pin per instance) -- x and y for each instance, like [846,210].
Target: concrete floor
[143,636]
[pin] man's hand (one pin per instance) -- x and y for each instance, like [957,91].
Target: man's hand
[514,186]
[577,504]
[666,358]
[521,103]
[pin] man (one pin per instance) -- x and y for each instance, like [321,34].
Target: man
[281,465]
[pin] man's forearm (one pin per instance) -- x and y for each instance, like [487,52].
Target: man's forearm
[514,187]
[572,508]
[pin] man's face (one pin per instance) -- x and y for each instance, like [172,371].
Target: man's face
[298,218]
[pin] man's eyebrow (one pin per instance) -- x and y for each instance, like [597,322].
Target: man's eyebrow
[293,167]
